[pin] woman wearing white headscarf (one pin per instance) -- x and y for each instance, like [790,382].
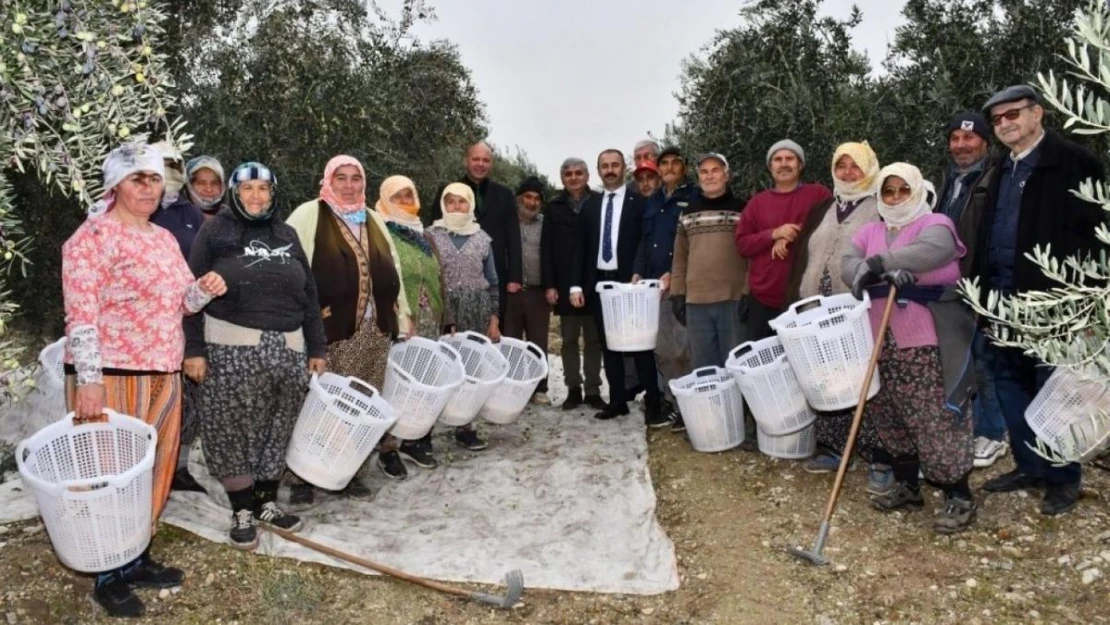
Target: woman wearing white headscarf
[467,264]
[204,184]
[919,423]
[126,288]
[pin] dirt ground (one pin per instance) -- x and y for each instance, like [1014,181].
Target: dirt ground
[731,516]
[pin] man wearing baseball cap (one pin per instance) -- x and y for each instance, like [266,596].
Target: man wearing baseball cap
[647,178]
[1031,204]
[963,199]
[768,227]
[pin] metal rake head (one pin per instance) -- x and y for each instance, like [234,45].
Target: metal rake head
[514,588]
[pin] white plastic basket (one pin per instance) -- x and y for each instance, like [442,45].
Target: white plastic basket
[1070,415]
[770,386]
[797,446]
[527,366]
[341,422]
[52,359]
[93,486]
[419,378]
[485,369]
[828,343]
[712,408]
[631,314]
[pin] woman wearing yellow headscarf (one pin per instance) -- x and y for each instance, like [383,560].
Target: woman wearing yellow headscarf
[825,237]
[399,205]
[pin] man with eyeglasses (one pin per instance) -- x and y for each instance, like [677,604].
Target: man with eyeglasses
[581,368]
[1031,204]
[963,199]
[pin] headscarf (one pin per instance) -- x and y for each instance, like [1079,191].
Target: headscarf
[458,223]
[191,168]
[398,213]
[354,212]
[923,197]
[251,171]
[175,176]
[121,163]
[867,161]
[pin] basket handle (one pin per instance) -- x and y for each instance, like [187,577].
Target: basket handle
[607,286]
[536,351]
[362,387]
[477,338]
[449,351]
[806,304]
[705,371]
[106,414]
[650,284]
[740,350]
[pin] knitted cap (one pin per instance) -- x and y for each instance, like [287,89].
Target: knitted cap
[531,183]
[971,122]
[786,144]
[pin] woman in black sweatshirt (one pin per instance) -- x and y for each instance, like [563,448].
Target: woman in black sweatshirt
[253,349]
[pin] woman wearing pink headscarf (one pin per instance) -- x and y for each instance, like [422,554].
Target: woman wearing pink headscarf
[358,277]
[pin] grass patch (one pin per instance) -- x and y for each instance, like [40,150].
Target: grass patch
[283,594]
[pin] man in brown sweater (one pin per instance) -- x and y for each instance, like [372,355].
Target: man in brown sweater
[708,275]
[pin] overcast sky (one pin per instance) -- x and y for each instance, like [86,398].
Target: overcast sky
[574,77]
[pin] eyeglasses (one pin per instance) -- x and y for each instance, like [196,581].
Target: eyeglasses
[1010,115]
[896,192]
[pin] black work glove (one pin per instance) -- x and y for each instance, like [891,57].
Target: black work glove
[900,277]
[678,306]
[875,264]
[865,277]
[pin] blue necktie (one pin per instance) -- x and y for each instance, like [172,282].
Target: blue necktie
[607,232]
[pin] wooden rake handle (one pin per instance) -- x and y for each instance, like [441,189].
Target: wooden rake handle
[857,419]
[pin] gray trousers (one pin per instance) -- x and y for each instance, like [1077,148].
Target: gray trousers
[714,330]
[575,360]
[672,349]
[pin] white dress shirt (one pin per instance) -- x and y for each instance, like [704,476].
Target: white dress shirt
[618,207]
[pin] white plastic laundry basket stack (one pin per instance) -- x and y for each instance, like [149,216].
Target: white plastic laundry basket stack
[796,446]
[631,314]
[92,483]
[341,422]
[485,370]
[828,343]
[527,366]
[770,386]
[420,376]
[1070,414]
[712,408]
[52,359]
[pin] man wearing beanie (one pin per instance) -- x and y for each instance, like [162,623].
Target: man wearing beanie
[963,198]
[528,315]
[1031,204]
[768,227]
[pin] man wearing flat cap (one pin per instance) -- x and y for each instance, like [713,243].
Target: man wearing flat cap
[1031,204]
[527,312]
[963,198]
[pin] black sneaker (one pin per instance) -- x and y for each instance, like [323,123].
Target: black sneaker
[150,574]
[901,496]
[243,534]
[574,399]
[356,490]
[469,439]
[274,515]
[117,598]
[657,418]
[678,426]
[184,481]
[391,464]
[302,494]
[419,454]
[596,402]
[1059,499]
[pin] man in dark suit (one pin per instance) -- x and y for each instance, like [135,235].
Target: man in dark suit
[608,236]
[1030,203]
[581,368]
[496,214]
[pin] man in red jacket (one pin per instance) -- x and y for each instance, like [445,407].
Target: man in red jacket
[767,230]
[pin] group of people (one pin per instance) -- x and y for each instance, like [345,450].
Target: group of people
[190,305]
